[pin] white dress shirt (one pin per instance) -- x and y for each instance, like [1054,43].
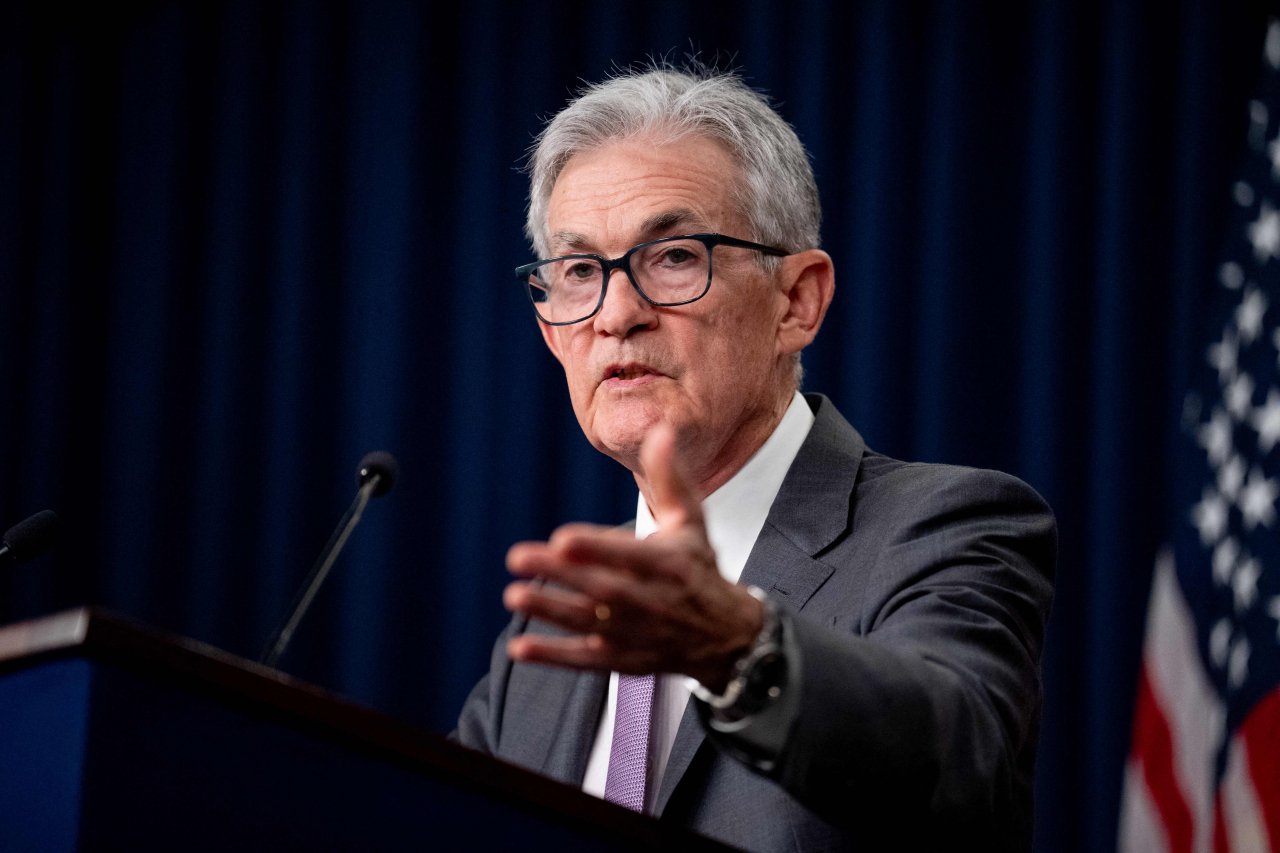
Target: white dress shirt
[735,514]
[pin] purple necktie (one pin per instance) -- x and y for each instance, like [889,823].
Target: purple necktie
[629,753]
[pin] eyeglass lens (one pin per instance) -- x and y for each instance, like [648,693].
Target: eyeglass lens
[567,290]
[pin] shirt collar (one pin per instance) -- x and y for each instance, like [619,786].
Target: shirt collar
[736,512]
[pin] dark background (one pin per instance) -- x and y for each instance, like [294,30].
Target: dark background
[241,244]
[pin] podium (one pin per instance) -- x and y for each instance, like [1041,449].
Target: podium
[117,737]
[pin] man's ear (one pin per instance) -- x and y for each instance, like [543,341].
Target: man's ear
[808,281]
[551,339]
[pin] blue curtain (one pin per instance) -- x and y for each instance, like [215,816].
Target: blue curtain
[243,243]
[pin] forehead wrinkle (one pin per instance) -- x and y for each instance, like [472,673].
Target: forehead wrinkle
[605,189]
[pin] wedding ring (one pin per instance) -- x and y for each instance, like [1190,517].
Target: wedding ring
[602,617]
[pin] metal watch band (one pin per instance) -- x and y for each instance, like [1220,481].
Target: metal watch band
[767,646]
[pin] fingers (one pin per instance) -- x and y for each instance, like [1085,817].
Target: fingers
[571,539]
[589,649]
[533,559]
[586,652]
[676,502]
[576,546]
[566,608]
[614,548]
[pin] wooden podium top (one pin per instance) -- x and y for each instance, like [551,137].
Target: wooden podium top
[219,676]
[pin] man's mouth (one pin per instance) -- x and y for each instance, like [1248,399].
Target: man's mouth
[628,374]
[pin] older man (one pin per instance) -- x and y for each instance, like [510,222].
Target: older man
[800,644]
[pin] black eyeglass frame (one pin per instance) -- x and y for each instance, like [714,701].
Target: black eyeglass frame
[624,263]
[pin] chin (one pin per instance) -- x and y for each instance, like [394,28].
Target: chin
[618,429]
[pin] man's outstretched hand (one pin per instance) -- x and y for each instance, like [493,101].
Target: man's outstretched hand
[636,605]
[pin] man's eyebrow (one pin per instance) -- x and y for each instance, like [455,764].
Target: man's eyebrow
[669,219]
[568,242]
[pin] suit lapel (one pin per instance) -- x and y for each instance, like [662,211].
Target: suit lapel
[689,738]
[810,513]
[784,571]
[570,749]
[551,714]
[812,507]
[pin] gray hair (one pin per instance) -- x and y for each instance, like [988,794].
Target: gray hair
[776,192]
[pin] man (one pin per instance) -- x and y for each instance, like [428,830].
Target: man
[860,636]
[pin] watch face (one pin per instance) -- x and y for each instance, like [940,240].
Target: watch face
[769,671]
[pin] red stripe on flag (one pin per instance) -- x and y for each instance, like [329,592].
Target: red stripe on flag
[1153,746]
[1261,734]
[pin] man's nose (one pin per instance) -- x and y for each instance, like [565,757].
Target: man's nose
[624,310]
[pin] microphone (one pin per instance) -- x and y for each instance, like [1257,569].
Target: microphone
[375,476]
[31,537]
[383,466]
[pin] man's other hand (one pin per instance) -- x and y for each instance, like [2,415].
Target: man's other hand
[636,605]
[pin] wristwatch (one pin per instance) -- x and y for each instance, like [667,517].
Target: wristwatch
[759,676]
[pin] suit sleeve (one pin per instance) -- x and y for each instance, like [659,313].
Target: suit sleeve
[925,714]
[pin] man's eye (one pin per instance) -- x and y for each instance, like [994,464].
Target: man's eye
[580,272]
[677,255]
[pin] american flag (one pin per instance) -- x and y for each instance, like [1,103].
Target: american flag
[1203,772]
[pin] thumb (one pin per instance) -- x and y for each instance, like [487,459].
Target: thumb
[676,503]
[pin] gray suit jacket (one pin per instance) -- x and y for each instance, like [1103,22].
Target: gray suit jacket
[918,595]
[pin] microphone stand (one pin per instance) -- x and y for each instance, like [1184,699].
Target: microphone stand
[276,645]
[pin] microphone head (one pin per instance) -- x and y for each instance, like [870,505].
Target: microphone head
[34,536]
[382,464]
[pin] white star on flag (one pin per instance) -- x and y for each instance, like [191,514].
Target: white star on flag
[1264,233]
[1258,500]
[1215,437]
[1210,516]
[1238,396]
[1231,477]
[1245,584]
[1273,151]
[1266,420]
[1273,608]
[1224,560]
[1223,355]
[1249,314]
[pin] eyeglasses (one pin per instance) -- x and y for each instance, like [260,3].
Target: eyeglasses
[667,272]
